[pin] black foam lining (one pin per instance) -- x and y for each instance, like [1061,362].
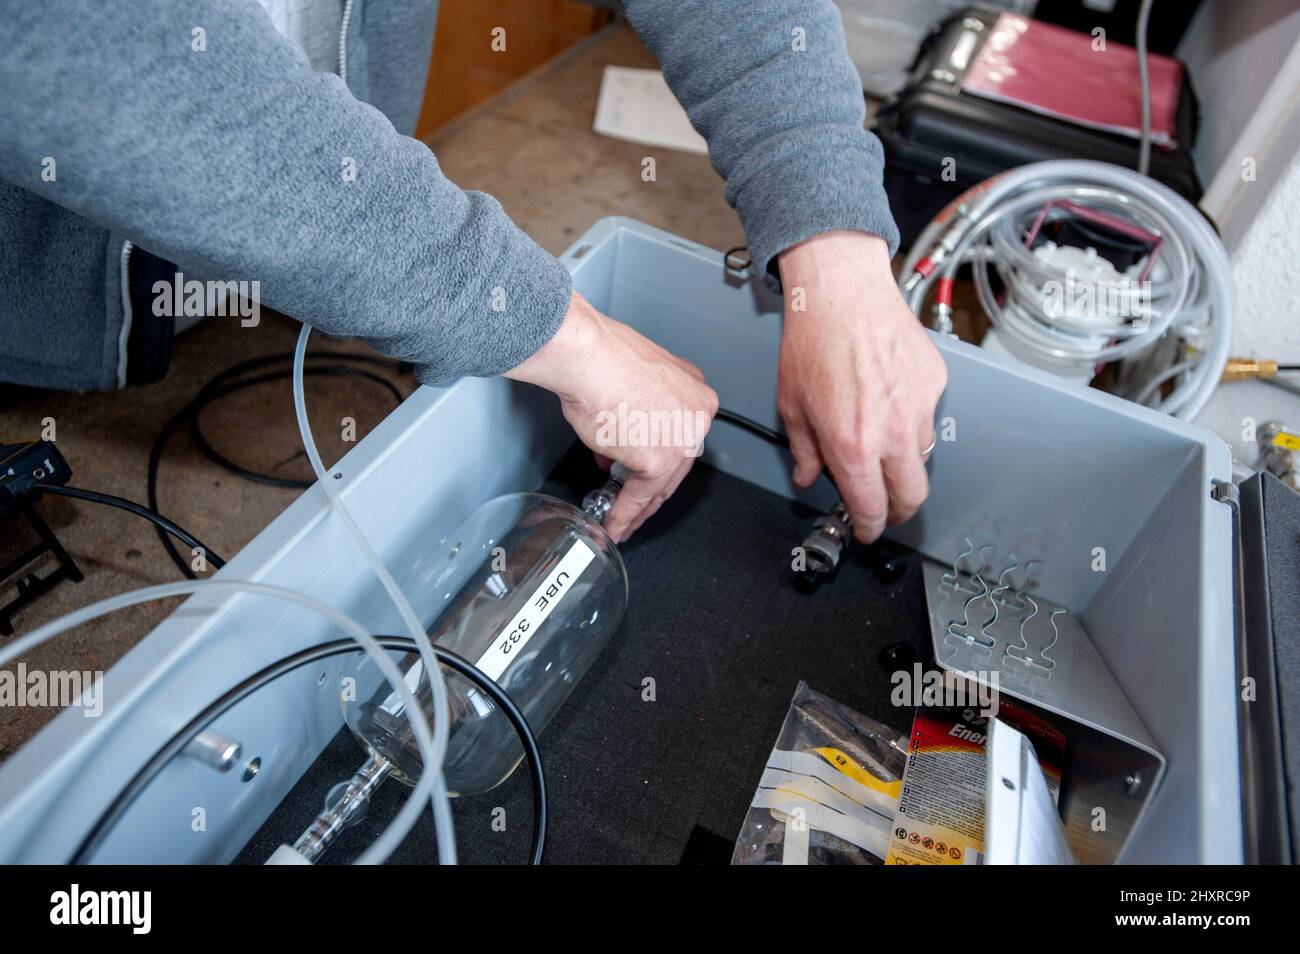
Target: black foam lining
[715,620]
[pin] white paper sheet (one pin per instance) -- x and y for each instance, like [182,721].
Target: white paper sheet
[637,105]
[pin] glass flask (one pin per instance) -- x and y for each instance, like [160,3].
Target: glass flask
[529,589]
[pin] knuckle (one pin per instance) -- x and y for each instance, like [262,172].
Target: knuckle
[937,375]
[664,466]
[860,448]
[877,508]
[909,502]
[636,458]
[872,509]
[845,438]
[898,429]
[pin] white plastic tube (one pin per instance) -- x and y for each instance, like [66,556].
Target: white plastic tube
[401,824]
[446,838]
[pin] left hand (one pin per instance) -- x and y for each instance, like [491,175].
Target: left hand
[859,378]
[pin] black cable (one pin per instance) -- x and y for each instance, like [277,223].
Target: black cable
[196,432]
[1288,367]
[161,523]
[176,744]
[522,729]
[766,433]
[217,388]
[755,428]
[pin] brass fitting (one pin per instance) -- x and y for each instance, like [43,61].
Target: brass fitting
[1247,369]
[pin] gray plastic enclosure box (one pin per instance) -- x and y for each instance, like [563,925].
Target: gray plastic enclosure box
[1115,499]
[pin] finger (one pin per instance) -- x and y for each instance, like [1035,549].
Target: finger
[808,463]
[927,439]
[640,488]
[670,488]
[637,492]
[865,495]
[906,482]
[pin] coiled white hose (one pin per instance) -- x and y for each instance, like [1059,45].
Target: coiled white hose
[1196,280]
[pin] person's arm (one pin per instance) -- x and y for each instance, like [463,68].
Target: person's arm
[192,127]
[195,129]
[772,89]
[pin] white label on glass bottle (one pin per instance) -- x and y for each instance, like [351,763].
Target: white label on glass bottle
[510,642]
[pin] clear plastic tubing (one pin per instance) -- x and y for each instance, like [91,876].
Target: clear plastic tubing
[969,211]
[436,788]
[402,823]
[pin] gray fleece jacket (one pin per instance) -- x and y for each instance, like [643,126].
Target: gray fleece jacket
[237,162]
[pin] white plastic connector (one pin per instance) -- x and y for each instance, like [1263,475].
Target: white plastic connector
[286,855]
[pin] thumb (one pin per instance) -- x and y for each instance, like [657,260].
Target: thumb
[635,496]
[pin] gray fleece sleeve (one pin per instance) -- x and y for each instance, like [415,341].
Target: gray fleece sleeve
[192,127]
[771,87]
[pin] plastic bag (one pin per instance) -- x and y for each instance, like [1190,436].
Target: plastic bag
[829,791]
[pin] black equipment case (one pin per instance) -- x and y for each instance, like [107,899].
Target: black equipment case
[933,119]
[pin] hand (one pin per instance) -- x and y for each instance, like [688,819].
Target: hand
[859,378]
[629,400]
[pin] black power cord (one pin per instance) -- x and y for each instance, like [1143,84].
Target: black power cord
[773,437]
[234,379]
[161,523]
[196,432]
[176,744]
[755,428]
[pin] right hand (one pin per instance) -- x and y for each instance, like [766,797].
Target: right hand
[630,401]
